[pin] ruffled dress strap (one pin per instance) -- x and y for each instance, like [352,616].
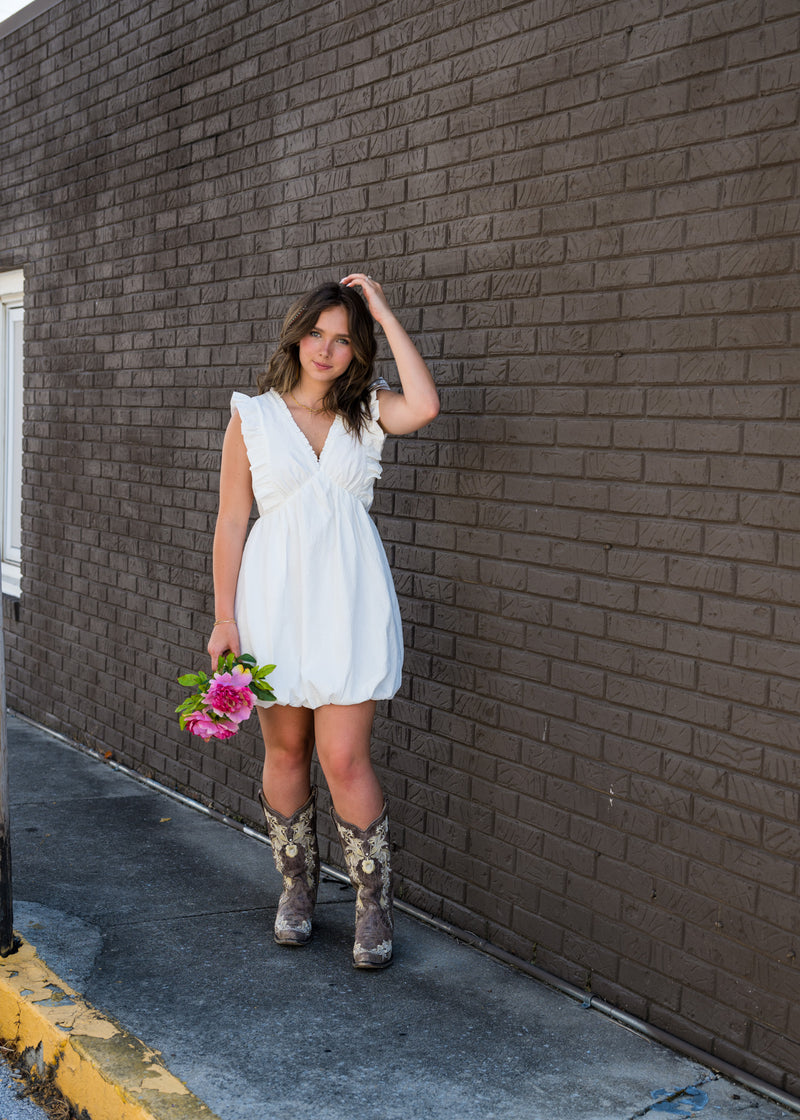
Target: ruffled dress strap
[249,410]
[373,435]
[241,403]
[251,413]
[374,407]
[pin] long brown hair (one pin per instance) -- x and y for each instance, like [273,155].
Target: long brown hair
[349,394]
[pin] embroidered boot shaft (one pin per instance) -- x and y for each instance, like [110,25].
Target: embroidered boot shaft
[368,859]
[294,848]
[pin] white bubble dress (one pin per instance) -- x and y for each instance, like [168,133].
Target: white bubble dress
[315,594]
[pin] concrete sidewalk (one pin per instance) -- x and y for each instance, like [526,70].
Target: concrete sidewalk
[152,916]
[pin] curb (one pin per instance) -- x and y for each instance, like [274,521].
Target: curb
[103,1071]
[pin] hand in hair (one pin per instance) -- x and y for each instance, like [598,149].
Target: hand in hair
[372,292]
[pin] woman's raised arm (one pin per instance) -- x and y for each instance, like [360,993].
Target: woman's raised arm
[418,404]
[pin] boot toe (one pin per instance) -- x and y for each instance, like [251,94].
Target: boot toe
[292,933]
[291,938]
[369,964]
[379,956]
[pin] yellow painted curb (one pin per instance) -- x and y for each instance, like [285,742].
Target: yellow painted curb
[98,1066]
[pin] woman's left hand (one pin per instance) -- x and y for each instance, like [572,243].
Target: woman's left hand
[372,292]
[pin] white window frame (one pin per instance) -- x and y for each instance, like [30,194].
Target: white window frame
[11,325]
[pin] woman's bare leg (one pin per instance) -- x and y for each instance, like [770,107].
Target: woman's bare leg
[288,744]
[343,740]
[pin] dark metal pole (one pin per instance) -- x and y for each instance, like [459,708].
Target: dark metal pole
[8,943]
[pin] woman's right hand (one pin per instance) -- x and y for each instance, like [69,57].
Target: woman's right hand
[224,637]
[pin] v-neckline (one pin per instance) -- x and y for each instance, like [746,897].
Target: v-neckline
[302,434]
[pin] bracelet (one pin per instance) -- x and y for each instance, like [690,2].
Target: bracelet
[222,621]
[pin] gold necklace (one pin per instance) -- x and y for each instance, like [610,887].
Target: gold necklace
[313,411]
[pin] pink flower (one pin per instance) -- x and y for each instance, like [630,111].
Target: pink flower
[225,729]
[229,694]
[203,724]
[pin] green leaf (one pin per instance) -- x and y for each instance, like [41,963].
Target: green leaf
[191,704]
[189,680]
[262,693]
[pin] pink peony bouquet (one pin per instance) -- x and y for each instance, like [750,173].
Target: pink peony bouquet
[222,702]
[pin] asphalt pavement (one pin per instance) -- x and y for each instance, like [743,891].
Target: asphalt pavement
[13,1104]
[160,916]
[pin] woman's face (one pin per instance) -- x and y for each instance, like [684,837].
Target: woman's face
[326,351]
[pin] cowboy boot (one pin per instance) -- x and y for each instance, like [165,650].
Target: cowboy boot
[368,860]
[294,847]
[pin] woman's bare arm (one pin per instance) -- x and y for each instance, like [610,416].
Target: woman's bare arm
[235,504]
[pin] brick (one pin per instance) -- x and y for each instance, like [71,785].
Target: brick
[723,681]
[581,494]
[637,433]
[694,641]
[638,694]
[588,182]
[741,543]
[613,465]
[704,507]
[747,618]
[680,470]
[703,574]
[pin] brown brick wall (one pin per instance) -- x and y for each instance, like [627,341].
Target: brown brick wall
[586,213]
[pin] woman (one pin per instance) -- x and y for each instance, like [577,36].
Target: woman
[311,589]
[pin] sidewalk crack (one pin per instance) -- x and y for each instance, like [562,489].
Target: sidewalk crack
[194,914]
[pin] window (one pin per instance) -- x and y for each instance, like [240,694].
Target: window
[11,320]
